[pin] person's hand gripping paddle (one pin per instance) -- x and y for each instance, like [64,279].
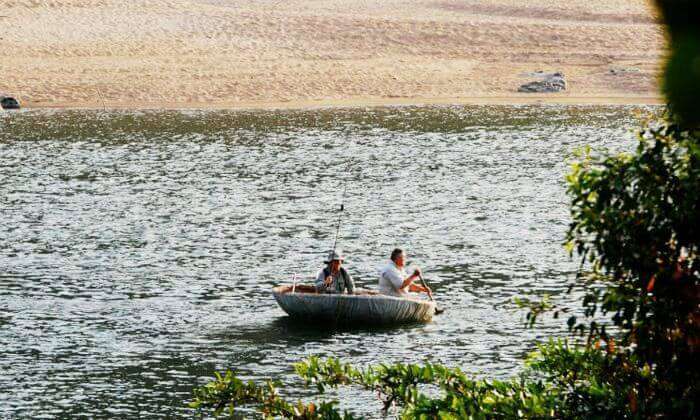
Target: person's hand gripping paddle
[438,310]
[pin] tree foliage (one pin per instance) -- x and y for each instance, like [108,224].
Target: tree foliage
[228,392]
[559,381]
[681,82]
[636,218]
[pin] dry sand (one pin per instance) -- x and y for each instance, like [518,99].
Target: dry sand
[297,53]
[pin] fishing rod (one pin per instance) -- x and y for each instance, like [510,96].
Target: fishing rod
[337,229]
[340,214]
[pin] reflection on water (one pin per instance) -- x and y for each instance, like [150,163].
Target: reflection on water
[138,249]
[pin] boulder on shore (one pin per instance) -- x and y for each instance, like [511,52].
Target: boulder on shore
[8,102]
[548,83]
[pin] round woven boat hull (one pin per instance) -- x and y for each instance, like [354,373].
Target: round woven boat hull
[357,308]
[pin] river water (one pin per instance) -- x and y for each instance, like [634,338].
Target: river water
[138,249]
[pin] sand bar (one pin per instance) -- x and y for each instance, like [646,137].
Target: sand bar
[311,53]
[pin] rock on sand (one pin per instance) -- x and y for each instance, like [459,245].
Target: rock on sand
[549,82]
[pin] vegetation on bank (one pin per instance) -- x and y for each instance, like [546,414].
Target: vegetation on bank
[636,224]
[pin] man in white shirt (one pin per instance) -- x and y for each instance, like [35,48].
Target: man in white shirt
[393,280]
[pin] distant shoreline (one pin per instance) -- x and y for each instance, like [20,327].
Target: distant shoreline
[525,99]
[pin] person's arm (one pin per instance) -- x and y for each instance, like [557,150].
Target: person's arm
[350,284]
[409,281]
[321,281]
[417,288]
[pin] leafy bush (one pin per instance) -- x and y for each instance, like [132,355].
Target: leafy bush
[230,392]
[636,218]
[560,381]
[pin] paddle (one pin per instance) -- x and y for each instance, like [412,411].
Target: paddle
[438,311]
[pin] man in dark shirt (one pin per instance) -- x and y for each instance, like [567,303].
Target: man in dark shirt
[334,278]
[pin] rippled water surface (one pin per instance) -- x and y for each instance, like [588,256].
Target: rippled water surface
[138,249]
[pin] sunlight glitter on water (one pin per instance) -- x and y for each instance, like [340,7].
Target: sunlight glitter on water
[138,249]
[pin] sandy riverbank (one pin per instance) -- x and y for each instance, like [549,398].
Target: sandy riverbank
[308,53]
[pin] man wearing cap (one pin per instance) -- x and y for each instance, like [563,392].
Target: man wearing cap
[393,280]
[334,278]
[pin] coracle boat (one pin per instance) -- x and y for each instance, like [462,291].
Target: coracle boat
[364,306]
